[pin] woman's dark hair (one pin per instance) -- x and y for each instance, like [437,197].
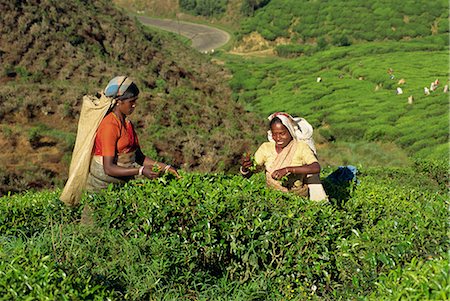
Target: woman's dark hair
[275,120]
[131,92]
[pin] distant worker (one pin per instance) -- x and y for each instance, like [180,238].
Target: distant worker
[319,79]
[390,71]
[289,158]
[410,99]
[401,82]
[399,91]
[426,91]
[446,89]
[433,87]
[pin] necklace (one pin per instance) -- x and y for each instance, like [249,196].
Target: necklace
[120,120]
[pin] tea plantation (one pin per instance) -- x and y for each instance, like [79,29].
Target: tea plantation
[356,99]
[223,237]
[342,23]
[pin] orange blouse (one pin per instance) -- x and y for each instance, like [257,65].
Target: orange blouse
[113,138]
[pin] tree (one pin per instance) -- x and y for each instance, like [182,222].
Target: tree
[249,7]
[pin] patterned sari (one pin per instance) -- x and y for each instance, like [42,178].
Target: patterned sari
[295,182]
[98,179]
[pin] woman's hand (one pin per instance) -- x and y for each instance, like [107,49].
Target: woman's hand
[304,169]
[246,163]
[149,173]
[174,172]
[279,173]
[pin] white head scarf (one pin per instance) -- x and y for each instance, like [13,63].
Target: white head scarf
[298,127]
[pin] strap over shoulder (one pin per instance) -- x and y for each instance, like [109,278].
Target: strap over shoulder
[92,112]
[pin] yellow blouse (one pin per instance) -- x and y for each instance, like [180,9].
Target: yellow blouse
[267,153]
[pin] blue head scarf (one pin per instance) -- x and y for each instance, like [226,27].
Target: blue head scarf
[117,86]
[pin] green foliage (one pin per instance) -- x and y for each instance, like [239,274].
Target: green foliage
[204,7]
[22,72]
[374,243]
[59,51]
[27,274]
[437,170]
[291,50]
[248,7]
[341,40]
[356,99]
[418,280]
[222,237]
[344,22]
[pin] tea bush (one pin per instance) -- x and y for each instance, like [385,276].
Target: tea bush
[425,280]
[204,7]
[28,274]
[224,237]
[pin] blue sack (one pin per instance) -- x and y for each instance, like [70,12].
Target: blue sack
[344,174]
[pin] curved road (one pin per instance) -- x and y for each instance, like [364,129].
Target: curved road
[204,38]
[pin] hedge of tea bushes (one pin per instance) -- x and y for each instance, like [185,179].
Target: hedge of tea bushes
[417,280]
[343,23]
[217,236]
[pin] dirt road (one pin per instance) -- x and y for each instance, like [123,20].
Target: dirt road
[204,38]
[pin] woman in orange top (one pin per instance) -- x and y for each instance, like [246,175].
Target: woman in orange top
[117,156]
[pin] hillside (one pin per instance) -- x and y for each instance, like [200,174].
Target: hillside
[53,52]
[223,12]
[355,108]
[265,24]
[341,23]
[213,234]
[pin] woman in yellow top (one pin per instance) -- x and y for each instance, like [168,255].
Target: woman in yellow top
[288,158]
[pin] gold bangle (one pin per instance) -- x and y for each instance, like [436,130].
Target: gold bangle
[243,172]
[141,169]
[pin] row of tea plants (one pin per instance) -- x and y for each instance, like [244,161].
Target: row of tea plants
[223,237]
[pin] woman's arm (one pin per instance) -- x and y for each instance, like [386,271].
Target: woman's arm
[249,166]
[112,169]
[150,163]
[304,169]
[246,163]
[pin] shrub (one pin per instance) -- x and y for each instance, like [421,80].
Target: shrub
[204,7]
[381,132]
[437,170]
[294,50]
[248,7]
[189,236]
[29,272]
[419,280]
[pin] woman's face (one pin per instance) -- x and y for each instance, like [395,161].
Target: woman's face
[280,134]
[127,106]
